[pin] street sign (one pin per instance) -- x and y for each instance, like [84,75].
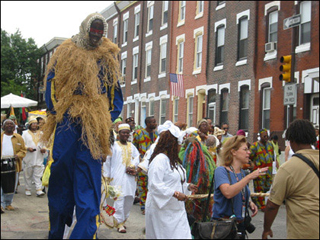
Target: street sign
[290,94]
[293,21]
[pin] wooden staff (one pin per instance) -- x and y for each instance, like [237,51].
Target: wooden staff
[199,196]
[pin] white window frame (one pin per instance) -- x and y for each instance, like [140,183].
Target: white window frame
[162,114]
[150,17]
[200,9]
[135,57]
[305,18]
[198,36]
[175,109]
[115,31]
[264,109]
[182,13]
[136,25]
[148,50]
[165,8]
[163,55]
[151,106]
[190,110]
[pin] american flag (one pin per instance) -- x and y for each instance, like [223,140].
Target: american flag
[176,83]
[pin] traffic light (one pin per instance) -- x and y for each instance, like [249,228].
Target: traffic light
[286,68]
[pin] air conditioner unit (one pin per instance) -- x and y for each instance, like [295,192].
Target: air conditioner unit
[270,46]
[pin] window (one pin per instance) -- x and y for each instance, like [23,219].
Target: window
[148,62]
[143,112]
[165,7]
[220,45]
[244,107]
[115,33]
[163,104]
[224,105]
[305,27]
[123,67]
[273,27]
[190,111]
[128,110]
[175,109]
[182,10]
[136,24]
[266,99]
[151,107]
[163,57]
[243,38]
[198,56]
[212,105]
[180,56]
[200,5]
[125,30]
[150,18]
[135,67]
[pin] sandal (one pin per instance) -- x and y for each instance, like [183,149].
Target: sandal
[122,230]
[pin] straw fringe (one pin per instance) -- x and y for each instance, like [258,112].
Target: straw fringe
[76,71]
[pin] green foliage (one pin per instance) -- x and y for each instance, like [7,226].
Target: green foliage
[19,68]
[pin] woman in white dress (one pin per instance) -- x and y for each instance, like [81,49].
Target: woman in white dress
[166,216]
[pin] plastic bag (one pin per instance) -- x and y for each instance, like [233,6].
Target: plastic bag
[46,175]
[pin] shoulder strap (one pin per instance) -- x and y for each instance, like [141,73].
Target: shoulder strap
[231,198]
[307,161]
[208,199]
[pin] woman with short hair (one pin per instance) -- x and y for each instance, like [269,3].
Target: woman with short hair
[231,191]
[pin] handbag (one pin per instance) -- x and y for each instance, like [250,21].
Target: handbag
[215,229]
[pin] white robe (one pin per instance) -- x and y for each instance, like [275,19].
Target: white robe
[166,217]
[33,158]
[144,164]
[116,169]
[33,161]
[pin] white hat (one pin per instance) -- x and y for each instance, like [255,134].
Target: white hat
[123,126]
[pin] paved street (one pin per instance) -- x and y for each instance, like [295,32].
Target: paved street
[29,220]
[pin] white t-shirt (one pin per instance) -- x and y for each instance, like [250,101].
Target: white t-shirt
[7,148]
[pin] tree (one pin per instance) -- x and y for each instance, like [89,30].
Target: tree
[19,67]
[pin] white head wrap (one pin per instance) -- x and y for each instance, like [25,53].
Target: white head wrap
[174,130]
[123,126]
[165,126]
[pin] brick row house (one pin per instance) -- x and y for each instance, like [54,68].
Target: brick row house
[228,54]
[271,112]
[141,30]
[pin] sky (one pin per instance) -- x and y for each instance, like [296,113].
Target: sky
[44,20]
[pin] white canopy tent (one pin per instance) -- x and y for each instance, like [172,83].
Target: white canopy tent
[16,101]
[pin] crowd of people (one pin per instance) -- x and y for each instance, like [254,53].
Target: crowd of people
[21,152]
[162,167]
[181,162]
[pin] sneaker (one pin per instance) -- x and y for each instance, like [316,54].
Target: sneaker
[28,193]
[9,207]
[40,193]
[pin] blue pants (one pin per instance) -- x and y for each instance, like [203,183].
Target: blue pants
[75,180]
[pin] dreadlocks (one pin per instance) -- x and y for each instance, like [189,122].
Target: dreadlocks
[301,131]
[168,144]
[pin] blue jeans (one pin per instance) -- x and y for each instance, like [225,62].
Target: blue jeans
[6,199]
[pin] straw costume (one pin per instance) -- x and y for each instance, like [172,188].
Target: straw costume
[83,97]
